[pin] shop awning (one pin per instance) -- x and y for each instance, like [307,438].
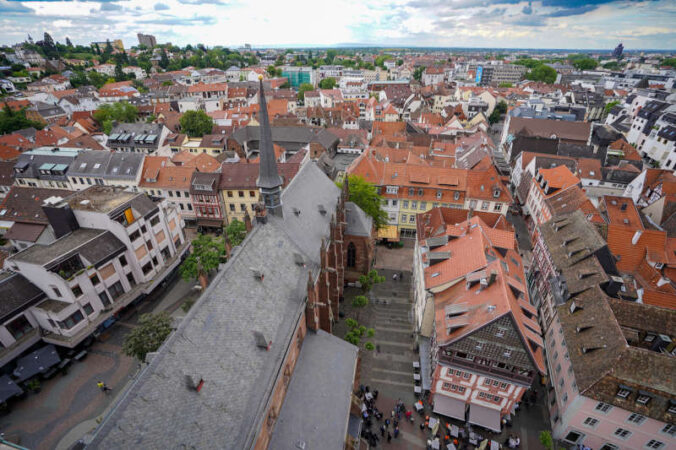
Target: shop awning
[449,406]
[484,417]
[8,388]
[213,223]
[389,232]
[36,362]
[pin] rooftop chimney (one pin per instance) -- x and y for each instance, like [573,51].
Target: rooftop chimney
[61,218]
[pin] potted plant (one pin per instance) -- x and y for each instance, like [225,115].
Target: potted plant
[34,385]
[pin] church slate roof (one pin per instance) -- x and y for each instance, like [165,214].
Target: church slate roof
[216,343]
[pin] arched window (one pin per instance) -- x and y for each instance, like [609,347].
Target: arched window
[351,255]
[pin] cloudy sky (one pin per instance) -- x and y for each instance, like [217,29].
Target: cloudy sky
[448,23]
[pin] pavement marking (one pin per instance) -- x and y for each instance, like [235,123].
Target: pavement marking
[394,372]
[393,330]
[396,383]
[396,344]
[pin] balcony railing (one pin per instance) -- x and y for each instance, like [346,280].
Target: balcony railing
[526,379]
[119,303]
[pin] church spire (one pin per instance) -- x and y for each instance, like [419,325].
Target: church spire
[269,182]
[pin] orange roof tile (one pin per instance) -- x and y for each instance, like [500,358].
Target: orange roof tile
[622,212]
[589,168]
[8,153]
[559,177]
[174,177]
[630,255]
[203,163]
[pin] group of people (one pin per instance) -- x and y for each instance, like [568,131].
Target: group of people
[389,428]
[513,441]
[398,276]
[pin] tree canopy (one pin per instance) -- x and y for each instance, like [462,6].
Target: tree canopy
[11,120]
[236,232]
[585,63]
[206,255]
[119,111]
[366,196]
[609,106]
[327,83]
[196,123]
[417,73]
[303,88]
[151,332]
[542,73]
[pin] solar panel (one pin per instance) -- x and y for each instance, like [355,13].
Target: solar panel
[114,136]
[151,138]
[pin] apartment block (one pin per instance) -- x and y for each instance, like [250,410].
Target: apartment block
[111,247]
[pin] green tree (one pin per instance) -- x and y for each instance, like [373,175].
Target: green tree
[236,232]
[360,301]
[119,111]
[119,74]
[369,346]
[327,83]
[609,106]
[501,107]
[11,120]
[330,56]
[505,85]
[196,123]
[369,280]
[107,126]
[669,62]
[366,196]
[400,62]
[303,88]
[494,117]
[272,70]
[207,253]
[68,43]
[151,332]
[546,440]
[585,63]
[418,72]
[612,65]
[542,73]
[164,59]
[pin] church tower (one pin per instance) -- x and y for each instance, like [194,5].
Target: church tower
[269,182]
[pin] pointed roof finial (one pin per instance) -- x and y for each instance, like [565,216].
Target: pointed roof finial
[268,176]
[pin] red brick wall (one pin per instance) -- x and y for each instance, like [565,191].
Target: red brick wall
[281,385]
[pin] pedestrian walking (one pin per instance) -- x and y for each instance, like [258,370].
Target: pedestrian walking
[375,394]
[389,437]
[401,276]
[101,385]
[382,430]
[396,432]
[394,277]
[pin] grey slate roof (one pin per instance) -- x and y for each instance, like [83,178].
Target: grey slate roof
[284,135]
[311,413]
[358,223]
[104,164]
[16,294]
[28,163]
[216,343]
[268,176]
[92,244]
[309,189]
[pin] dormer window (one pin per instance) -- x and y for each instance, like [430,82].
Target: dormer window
[643,398]
[623,392]
[496,193]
